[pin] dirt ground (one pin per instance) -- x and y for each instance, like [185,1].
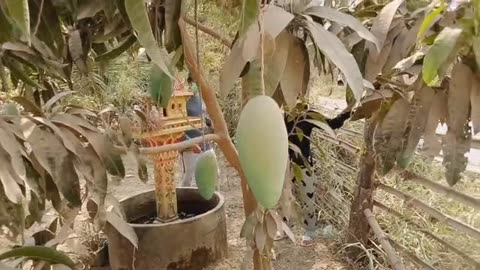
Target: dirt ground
[289,255]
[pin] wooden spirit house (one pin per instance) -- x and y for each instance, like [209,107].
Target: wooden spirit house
[174,122]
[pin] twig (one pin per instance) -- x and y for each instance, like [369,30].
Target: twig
[442,218]
[347,146]
[426,232]
[448,192]
[392,256]
[224,40]
[179,146]
[39,18]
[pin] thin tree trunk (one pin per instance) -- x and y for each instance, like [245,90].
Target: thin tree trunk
[359,229]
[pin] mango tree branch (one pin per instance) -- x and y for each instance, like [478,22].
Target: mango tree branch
[214,111]
[225,41]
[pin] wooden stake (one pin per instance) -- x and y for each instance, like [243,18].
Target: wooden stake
[392,256]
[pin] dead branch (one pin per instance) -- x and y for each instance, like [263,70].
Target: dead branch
[442,218]
[448,192]
[181,145]
[426,232]
[225,41]
[412,256]
[347,146]
[392,256]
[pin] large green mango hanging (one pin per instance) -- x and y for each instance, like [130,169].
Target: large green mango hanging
[206,171]
[262,143]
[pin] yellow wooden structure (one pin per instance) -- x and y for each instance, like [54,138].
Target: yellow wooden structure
[174,123]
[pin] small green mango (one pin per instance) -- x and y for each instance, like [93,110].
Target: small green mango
[10,109]
[262,144]
[206,173]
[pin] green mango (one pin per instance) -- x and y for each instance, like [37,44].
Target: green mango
[206,173]
[262,144]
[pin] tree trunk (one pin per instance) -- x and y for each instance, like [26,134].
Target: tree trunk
[359,230]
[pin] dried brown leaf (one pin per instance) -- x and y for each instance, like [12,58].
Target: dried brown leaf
[9,180]
[382,23]
[271,225]
[122,227]
[416,122]
[388,135]
[458,137]
[432,144]
[260,236]
[377,60]
[57,161]
[294,73]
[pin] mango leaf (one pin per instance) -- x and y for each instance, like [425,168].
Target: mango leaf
[19,12]
[28,106]
[430,19]
[271,225]
[173,38]
[9,180]
[475,103]
[344,19]
[249,225]
[381,24]
[91,167]
[139,20]
[440,51]
[123,46]
[275,19]
[297,171]
[296,73]
[375,64]
[249,15]
[39,253]
[142,169]
[49,30]
[336,52]
[75,48]
[322,125]
[416,122]
[47,106]
[275,64]
[17,73]
[161,87]
[235,62]
[260,236]
[88,8]
[57,161]
[458,137]
[432,145]
[14,149]
[388,135]
[122,227]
